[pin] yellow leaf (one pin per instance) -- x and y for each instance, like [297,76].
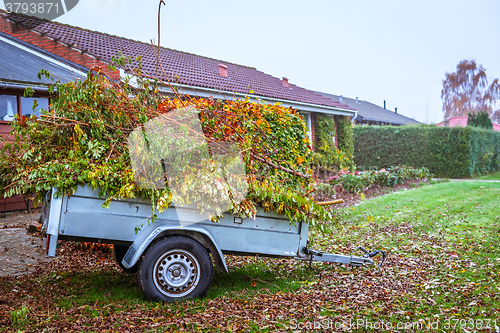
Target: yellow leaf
[300,160]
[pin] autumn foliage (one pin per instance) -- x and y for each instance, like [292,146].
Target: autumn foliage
[467,91]
[83,140]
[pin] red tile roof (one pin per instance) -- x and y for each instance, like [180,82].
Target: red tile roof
[462,122]
[180,67]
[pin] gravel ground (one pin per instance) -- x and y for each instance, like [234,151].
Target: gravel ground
[20,251]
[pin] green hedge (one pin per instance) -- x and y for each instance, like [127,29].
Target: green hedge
[345,136]
[326,155]
[452,152]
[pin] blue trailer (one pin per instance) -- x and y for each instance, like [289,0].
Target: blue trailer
[172,257]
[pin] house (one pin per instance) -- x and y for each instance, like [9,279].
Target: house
[70,52]
[20,64]
[461,122]
[371,114]
[192,74]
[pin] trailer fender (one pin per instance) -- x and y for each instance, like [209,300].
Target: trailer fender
[155,231]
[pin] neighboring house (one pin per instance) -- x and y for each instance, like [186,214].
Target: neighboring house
[20,63]
[192,74]
[461,122]
[371,114]
[29,44]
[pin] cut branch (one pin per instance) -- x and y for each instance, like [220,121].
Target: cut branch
[279,167]
[328,203]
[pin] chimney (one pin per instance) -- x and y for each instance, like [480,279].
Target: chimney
[357,100]
[222,70]
[341,99]
[285,82]
[396,110]
[384,104]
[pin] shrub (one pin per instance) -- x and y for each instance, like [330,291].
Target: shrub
[453,152]
[327,156]
[323,191]
[84,139]
[481,119]
[361,181]
[345,137]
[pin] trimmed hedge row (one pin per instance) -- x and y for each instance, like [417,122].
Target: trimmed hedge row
[452,152]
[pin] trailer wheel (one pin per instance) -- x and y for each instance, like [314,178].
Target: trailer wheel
[175,268]
[118,254]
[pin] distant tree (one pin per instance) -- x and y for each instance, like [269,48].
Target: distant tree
[466,90]
[480,119]
[496,116]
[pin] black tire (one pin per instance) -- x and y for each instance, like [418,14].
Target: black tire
[175,268]
[118,254]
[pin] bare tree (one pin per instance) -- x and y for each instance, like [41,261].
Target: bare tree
[467,91]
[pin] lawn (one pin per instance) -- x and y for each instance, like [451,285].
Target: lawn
[491,176]
[442,272]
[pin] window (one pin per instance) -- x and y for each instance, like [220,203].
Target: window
[8,107]
[27,105]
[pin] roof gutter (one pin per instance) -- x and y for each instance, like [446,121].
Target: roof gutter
[389,121]
[4,86]
[209,92]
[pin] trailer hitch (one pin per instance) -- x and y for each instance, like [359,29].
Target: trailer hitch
[311,255]
[314,252]
[372,254]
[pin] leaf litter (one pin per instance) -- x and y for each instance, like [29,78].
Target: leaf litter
[433,274]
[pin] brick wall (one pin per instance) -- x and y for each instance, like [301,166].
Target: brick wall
[55,47]
[14,203]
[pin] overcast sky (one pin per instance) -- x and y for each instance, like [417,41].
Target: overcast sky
[398,51]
